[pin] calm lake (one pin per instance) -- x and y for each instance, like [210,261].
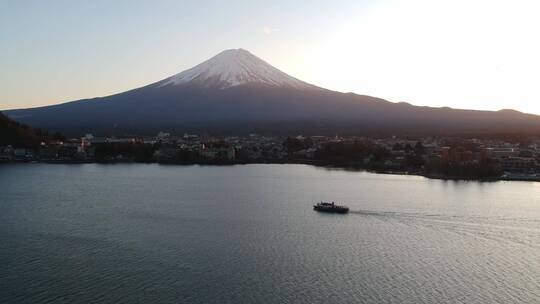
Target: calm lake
[138,233]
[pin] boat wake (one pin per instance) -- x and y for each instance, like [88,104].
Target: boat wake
[520,231]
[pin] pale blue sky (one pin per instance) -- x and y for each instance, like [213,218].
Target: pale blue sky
[470,54]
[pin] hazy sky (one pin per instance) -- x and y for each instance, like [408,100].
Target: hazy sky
[460,53]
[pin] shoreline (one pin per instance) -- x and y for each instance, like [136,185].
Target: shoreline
[517,177]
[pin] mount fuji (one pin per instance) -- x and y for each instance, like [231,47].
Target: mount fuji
[233,68]
[236,92]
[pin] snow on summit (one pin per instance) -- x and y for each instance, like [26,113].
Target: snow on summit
[235,67]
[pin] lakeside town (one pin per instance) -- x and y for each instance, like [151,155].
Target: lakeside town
[436,157]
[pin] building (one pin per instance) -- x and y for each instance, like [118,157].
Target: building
[518,164]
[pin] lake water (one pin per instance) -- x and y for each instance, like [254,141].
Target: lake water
[140,233]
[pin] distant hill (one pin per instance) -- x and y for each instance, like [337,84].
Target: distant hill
[14,133]
[236,92]
[21,135]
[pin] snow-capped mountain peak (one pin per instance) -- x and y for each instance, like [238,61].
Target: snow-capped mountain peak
[232,68]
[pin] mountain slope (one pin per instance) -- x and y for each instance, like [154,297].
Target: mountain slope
[236,93]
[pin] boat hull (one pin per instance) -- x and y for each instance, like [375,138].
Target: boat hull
[335,209]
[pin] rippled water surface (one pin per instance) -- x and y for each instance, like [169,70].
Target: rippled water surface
[248,234]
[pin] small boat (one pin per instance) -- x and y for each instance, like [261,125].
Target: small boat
[330,208]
